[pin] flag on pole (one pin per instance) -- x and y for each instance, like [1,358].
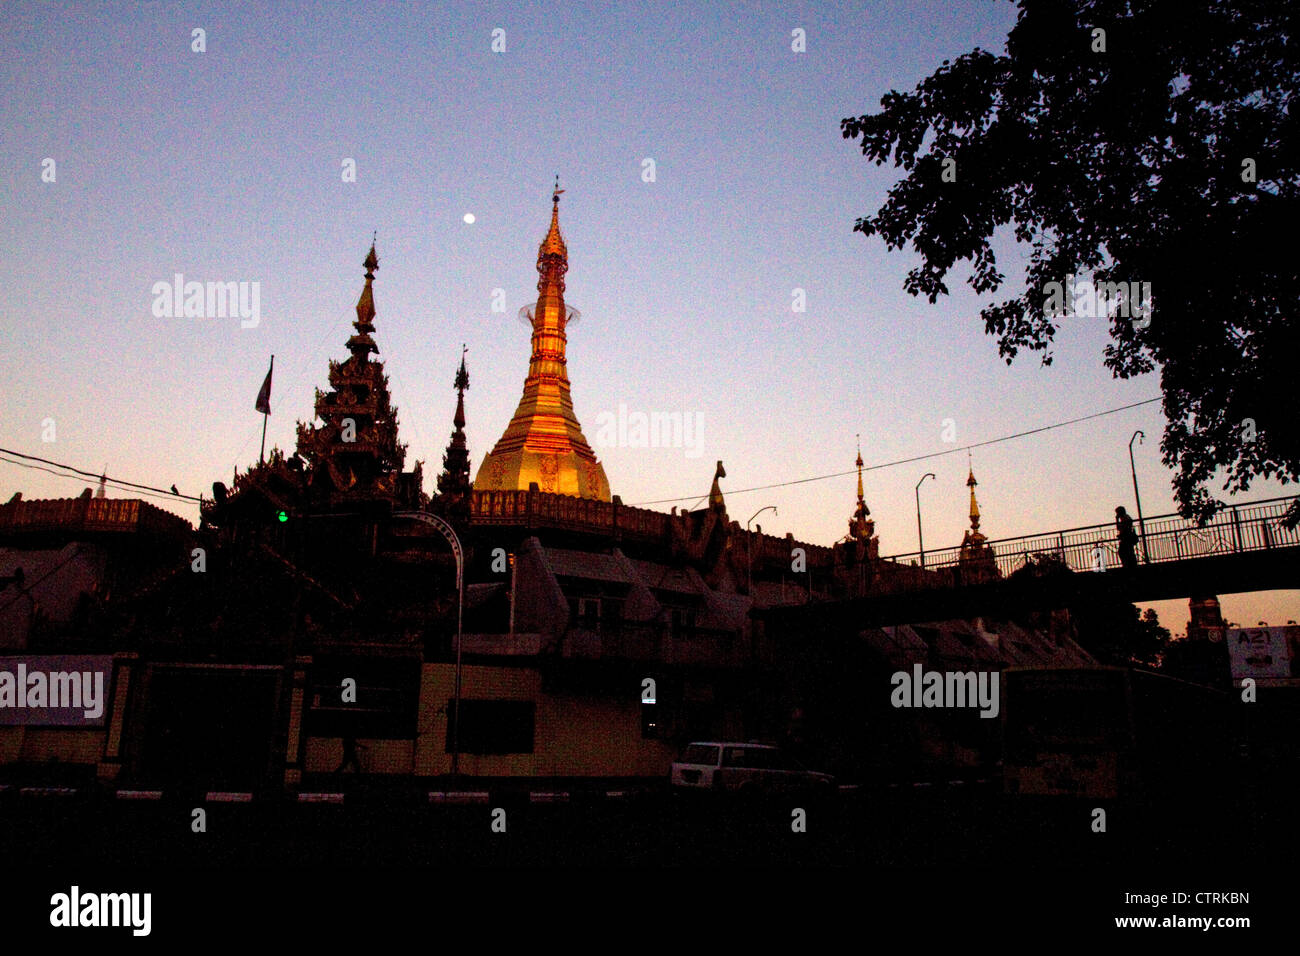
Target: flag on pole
[263,403]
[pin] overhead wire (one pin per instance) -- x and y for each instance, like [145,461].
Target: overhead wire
[117,482]
[905,461]
[166,494]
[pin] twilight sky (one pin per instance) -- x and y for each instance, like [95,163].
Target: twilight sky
[227,165]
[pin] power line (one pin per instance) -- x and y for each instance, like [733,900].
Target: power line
[117,481]
[164,493]
[162,496]
[905,461]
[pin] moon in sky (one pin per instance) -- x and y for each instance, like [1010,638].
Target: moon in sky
[469,219]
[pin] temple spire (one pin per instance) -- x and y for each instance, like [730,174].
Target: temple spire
[976,557]
[544,444]
[453,483]
[862,502]
[354,454]
[361,344]
[861,527]
[461,383]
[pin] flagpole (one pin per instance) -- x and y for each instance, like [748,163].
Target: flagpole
[261,455]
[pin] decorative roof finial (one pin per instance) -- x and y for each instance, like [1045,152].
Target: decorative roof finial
[861,501]
[861,527]
[974,505]
[372,260]
[462,383]
[462,376]
[454,482]
[361,344]
[716,501]
[553,255]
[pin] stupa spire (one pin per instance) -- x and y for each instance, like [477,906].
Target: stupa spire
[543,443]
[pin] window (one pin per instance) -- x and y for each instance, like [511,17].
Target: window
[783,761]
[683,622]
[386,704]
[492,726]
[758,759]
[735,757]
[611,613]
[701,754]
[586,612]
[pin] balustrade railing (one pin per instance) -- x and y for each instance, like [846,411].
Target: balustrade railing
[1255,526]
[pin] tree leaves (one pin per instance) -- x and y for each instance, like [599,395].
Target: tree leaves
[1131,164]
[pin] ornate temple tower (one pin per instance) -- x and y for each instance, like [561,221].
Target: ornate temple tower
[355,455]
[544,442]
[454,484]
[855,556]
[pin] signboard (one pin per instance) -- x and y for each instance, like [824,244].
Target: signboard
[55,690]
[1268,655]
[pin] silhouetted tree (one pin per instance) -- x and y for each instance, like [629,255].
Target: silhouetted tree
[1115,633]
[1163,150]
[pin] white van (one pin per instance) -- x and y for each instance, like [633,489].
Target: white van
[745,768]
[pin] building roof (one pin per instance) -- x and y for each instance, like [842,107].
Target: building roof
[86,514]
[592,565]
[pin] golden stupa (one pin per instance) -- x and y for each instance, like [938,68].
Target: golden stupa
[544,442]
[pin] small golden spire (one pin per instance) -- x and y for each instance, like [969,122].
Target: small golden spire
[861,500]
[553,244]
[974,505]
[366,304]
[362,344]
[861,527]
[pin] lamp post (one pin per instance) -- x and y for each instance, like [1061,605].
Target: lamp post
[749,548]
[920,542]
[1146,558]
[449,533]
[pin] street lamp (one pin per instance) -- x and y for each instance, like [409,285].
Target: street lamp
[749,549]
[1146,558]
[920,542]
[449,533]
